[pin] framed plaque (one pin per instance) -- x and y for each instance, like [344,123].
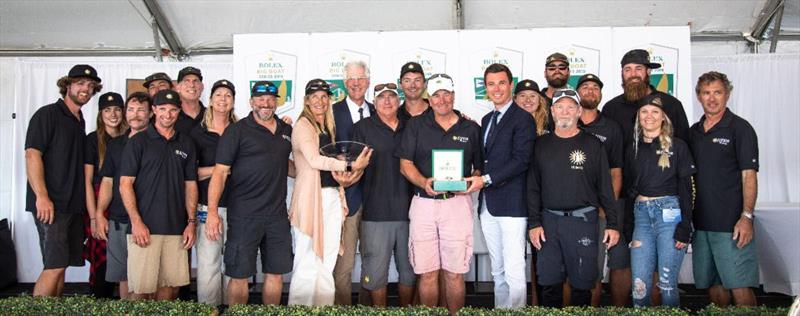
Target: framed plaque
[448,165]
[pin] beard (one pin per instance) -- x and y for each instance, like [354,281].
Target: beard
[590,104]
[635,89]
[564,123]
[557,82]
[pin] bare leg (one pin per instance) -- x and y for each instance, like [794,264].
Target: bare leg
[406,294]
[48,282]
[597,291]
[567,297]
[744,296]
[429,288]
[379,297]
[273,286]
[534,294]
[168,293]
[237,291]
[455,291]
[719,295]
[442,290]
[123,290]
[620,281]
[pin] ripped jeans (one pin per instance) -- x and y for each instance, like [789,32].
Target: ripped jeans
[653,246]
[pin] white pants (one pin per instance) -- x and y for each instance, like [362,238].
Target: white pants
[211,285]
[505,239]
[312,278]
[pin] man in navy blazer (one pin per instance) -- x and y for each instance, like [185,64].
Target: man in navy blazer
[345,114]
[508,134]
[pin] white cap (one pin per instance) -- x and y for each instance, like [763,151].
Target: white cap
[440,82]
[566,93]
[380,88]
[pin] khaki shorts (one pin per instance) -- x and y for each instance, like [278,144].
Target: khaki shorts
[163,263]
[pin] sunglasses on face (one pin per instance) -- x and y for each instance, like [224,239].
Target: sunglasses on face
[266,89]
[559,67]
[559,93]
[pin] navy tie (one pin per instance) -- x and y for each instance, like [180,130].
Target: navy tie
[360,113]
[492,128]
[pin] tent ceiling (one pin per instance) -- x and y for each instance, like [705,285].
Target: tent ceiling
[201,24]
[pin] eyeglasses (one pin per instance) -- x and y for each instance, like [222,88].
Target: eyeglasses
[440,76]
[559,67]
[380,87]
[567,92]
[358,78]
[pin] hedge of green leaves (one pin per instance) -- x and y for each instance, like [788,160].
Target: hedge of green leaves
[85,305]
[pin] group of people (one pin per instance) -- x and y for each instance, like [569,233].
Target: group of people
[164,173]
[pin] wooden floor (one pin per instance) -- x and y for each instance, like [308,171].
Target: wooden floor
[478,295]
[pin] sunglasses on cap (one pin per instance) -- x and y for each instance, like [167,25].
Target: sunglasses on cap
[380,87]
[569,93]
[266,89]
[440,76]
[559,67]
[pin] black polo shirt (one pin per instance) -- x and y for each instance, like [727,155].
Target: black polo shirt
[92,155]
[161,167]
[259,163]
[60,137]
[422,135]
[610,134]
[205,143]
[186,123]
[111,169]
[651,180]
[387,193]
[403,114]
[568,174]
[624,113]
[720,155]
[326,179]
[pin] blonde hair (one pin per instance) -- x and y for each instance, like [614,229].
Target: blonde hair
[329,124]
[664,139]
[208,117]
[541,116]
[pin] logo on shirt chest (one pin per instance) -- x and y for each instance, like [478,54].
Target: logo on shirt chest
[461,139]
[669,153]
[577,158]
[600,137]
[287,138]
[721,141]
[181,154]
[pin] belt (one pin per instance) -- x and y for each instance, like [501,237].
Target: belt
[579,212]
[443,196]
[642,198]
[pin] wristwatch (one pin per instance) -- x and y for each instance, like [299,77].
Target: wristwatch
[349,166]
[487,180]
[749,215]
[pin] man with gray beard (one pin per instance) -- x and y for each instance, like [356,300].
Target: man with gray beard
[636,68]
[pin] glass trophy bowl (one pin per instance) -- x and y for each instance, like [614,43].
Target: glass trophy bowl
[342,150]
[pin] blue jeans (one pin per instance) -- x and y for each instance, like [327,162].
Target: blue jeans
[653,244]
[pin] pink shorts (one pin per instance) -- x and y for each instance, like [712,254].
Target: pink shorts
[440,234]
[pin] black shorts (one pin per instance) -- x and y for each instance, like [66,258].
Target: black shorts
[571,247]
[247,236]
[62,241]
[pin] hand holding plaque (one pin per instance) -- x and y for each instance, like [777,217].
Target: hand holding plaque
[448,168]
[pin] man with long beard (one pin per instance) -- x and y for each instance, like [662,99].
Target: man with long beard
[556,72]
[636,68]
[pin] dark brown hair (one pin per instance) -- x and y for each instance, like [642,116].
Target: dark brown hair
[712,76]
[495,68]
[65,81]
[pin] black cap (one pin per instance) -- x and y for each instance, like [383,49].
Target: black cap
[167,96]
[156,76]
[83,71]
[556,57]
[224,83]
[190,71]
[638,56]
[412,67]
[651,99]
[318,85]
[110,99]
[263,88]
[527,84]
[589,77]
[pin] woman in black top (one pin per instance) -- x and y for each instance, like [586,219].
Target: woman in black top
[206,136]
[110,123]
[660,168]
